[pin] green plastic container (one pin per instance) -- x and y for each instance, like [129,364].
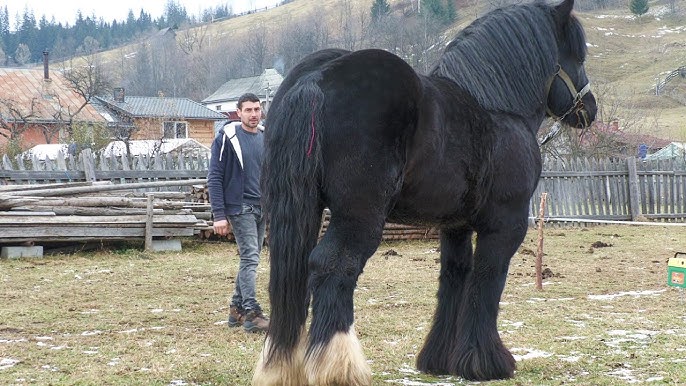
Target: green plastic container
[676,271]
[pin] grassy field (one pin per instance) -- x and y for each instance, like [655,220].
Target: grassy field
[123,317]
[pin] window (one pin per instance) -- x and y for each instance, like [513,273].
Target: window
[175,130]
[219,107]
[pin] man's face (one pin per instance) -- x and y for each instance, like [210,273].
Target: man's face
[250,114]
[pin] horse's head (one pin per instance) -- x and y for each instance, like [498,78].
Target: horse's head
[568,90]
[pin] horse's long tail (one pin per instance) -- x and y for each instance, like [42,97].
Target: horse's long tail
[291,187]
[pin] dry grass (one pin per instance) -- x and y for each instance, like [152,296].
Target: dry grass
[124,317]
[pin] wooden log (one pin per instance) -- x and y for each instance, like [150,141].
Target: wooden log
[14,188]
[105,188]
[17,221]
[81,210]
[96,201]
[72,233]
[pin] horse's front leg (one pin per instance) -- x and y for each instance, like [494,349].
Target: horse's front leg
[334,355]
[456,265]
[478,352]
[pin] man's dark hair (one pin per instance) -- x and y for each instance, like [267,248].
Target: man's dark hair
[247,97]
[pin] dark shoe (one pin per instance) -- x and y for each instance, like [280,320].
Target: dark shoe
[236,316]
[255,321]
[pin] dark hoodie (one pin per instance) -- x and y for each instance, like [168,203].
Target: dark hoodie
[225,177]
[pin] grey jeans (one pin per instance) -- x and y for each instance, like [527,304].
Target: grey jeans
[248,228]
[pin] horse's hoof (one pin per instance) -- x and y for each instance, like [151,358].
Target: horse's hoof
[340,362]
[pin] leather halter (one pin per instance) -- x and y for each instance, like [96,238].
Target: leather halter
[577,104]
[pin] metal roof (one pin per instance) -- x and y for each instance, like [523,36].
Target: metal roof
[234,88]
[40,99]
[156,107]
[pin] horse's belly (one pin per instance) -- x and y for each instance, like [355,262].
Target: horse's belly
[435,205]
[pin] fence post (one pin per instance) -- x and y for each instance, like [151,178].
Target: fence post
[88,164]
[634,193]
[149,222]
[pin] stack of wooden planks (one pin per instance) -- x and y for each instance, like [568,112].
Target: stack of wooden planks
[97,211]
[392,231]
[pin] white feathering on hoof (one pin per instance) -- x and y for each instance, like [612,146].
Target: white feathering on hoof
[281,372]
[341,362]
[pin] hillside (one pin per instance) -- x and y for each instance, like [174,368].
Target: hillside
[626,55]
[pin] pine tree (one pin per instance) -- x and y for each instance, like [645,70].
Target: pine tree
[638,7]
[380,8]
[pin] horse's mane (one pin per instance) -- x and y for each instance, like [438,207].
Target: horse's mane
[503,58]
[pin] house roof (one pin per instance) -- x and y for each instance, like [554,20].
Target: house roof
[41,100]
[156,107]
[671,151]
[234,88]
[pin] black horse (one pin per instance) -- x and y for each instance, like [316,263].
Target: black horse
[366,136]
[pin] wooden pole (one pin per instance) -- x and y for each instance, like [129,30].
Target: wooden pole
[148,224]
[539,251]
[634,192]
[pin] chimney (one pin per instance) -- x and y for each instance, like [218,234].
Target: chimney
[46,68]
[119,94]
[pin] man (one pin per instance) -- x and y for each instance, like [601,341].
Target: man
[233,183]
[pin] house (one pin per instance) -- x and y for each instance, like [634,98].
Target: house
[158,118]
[225,98]
[673,151]
[623,143]
[36,107]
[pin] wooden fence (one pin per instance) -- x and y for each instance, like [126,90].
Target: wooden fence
[89,167]
[587,189]
[627,189]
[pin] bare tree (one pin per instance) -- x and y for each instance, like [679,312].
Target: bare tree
[299,38]
[15,118]
[193,39]
[257,49]
[88,79]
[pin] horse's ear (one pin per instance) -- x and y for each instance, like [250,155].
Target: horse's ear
[563,10]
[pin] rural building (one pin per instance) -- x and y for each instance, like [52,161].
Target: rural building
[225,98]
[158,118]
[37,106]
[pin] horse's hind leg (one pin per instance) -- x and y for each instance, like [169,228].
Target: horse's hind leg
[334,354]
[456,265]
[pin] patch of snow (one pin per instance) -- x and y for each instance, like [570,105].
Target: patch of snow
[409,382]
[570,338]
[624,374]
[6,363]
[635,294]
[529,353]
[89,333]
[406,369]
[12,340]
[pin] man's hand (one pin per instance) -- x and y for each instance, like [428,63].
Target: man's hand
[221,227]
